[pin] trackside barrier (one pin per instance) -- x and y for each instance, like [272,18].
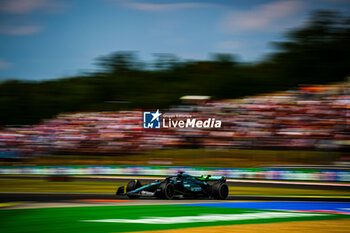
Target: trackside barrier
[233,173]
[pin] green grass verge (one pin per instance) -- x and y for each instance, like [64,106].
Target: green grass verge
[197,157]
[73,219]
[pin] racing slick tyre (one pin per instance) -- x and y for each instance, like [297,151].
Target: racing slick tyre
[219,191]
[132,185]
[167,191]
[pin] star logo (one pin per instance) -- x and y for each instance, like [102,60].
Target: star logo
[151,120]
[156,115]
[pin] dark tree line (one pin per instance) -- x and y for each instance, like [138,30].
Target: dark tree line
[317,53]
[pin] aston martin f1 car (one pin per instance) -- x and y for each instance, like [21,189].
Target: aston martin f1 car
[180,186]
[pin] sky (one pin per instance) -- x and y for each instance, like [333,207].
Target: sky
[49,39]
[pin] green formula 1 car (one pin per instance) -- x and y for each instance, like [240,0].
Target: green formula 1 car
[180,186]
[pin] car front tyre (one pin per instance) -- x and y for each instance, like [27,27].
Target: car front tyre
[132,185]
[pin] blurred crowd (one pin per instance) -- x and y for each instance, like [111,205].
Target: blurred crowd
[309,117]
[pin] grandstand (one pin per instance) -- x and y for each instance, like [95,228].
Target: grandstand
[307,118]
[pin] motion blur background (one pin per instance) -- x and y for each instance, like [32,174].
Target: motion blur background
[76,76]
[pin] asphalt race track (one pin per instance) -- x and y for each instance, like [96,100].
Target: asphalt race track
[56,197]
[230,182]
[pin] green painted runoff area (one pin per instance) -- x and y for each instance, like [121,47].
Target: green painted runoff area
[71,219]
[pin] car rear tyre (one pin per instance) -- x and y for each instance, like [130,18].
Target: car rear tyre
[219,191]
[167,190]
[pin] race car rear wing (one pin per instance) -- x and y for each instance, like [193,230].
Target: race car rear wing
[212,178]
